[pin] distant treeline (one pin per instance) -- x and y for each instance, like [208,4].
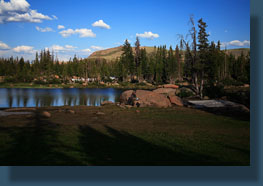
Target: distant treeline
[198,61]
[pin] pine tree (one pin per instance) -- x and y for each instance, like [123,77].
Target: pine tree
[127,59]
[203,63]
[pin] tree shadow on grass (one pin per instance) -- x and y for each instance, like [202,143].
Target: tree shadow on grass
[122,148]
[35,144]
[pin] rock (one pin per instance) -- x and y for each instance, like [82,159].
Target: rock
[137,111]
[106,103]
[170,86]
[71,111]
[165,91]
[100,113]
[46,114]
[115,84]
[206,97]
[122,106]
[246,85]
[19,109]
[176,100]
[125,96]
[71,87]
[102,83]
[148,98]
[128,106]
[148,84]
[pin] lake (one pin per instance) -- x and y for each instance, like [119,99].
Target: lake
[30,97]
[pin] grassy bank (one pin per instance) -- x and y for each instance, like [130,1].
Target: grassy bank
[77,85]
[117,136]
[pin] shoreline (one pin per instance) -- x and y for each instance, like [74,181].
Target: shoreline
[60,86]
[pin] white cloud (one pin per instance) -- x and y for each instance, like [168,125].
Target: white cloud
[58,48]
[14,6]
[3,46]
[236,43]
[70,47]
[101,24]
[86,50]
[148,35]
[24,49]
[19,11]
[83,32]
[55,17]
[47,29]
[96,47]
[61,27]
[62,49]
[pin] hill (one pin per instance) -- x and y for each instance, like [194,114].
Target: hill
[113,53]
[237,52]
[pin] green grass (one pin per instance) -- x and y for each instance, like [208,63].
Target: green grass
[174,136]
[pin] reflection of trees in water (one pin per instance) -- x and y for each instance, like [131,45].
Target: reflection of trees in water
[44,99]
[18,96]
[25,97]
[10,97]
[83,99]
[95,100]
[69,98]
[58,97]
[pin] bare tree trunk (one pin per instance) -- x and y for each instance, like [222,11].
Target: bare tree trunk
[202,85]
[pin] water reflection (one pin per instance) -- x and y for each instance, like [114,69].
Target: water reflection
[15,97]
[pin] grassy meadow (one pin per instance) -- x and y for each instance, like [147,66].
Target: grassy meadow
[111,135]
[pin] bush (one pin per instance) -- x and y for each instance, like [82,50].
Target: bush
[214,91]
[54,81]
[40,82]
[185,92]
[229,82]
[10,80]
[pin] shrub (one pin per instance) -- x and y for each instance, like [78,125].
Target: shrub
[213,91]
[185,92]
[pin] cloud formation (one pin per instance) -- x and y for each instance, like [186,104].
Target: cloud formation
[148,35]
[236,43]
[96,47]
[83,32]
[58,48]
[19,11]
[24,49]
[61,27]
[47,29]
[101,24]
[3,46]
[87,50]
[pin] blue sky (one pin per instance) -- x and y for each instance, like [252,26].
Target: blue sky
[27,26]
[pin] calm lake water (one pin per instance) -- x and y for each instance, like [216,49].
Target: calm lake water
[29,97]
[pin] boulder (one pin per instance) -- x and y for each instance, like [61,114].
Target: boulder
[106,103]
[148,98]
[128,106]
[170,86]
[71,111]
[176,100]
[100,113]
[125,96]
[165,91]
[46,114]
